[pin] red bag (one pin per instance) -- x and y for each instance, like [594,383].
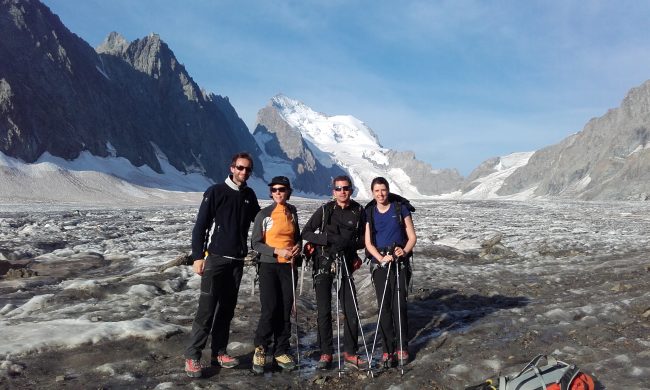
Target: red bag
[582,381]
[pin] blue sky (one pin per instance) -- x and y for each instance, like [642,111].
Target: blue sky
[456,81]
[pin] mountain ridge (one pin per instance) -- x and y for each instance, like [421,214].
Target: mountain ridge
[129,99]
[135,100]
[608,159]
[320,142]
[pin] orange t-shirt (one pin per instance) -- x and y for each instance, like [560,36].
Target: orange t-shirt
[280,230]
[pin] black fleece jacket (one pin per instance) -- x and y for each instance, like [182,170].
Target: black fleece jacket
[349,223]
[224,218]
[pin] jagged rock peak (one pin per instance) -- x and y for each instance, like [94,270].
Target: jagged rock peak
[637,102]
[114,43]
[151,55]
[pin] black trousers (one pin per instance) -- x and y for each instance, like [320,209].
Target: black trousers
[219,290]
[276,301]
[389,321]
[323,288]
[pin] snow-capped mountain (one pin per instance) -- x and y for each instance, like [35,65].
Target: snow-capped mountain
[130,110]
[304,144]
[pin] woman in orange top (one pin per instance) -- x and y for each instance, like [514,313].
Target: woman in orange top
[276,236]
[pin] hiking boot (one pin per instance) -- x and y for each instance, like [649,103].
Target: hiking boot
[388,360]
[285,362]
[225,361]
[354,361]
[193,368]
[259,360]
[325,362]
[402,357]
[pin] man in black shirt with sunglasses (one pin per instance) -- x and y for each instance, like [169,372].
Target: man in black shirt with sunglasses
[340,225]
[219,245]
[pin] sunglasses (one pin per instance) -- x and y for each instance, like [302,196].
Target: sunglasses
[243,168]
[278,189]
[342,188]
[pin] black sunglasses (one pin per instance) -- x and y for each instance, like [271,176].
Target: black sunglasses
[243,168]
[278,189]
[342,188]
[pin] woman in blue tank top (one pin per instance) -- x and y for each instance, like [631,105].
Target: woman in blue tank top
[390,238]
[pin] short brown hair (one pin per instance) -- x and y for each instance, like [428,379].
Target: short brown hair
[244,155]
[342,178]
[379,180]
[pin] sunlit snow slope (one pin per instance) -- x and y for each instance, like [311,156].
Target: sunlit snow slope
[348,142]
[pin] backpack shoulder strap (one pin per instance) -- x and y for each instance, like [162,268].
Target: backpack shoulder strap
[360,211]
[328,208]
[502,383]
[371,221]
[398,211]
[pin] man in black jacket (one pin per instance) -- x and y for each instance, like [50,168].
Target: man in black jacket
[219,245]
[340,225]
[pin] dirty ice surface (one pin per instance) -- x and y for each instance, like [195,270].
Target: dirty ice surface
[495,283]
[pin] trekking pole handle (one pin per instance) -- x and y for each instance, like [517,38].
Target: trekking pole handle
[384,264]
[393,250]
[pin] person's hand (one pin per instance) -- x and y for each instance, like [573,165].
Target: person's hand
[399,252]
[283,252]
[386,259]
[295,255]
[198,266]
[295,250]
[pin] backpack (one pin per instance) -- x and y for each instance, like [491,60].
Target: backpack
[554,375]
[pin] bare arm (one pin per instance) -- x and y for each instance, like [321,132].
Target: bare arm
[412,238]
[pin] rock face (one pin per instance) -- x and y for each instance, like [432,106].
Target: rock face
[285,143]
[427,180]
[608,159]
[127,99]
[312,148]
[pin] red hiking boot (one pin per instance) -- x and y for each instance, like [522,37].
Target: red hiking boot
[325,362]
[388,359]
[225,361]
[193,368]
[354,361]
[402,357]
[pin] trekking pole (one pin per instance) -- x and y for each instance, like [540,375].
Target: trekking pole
[356,309]
[410,281]
[381,305]
[399,321]
[254,280]
[295,312]
[302,275]
[338,323]
[253,286]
